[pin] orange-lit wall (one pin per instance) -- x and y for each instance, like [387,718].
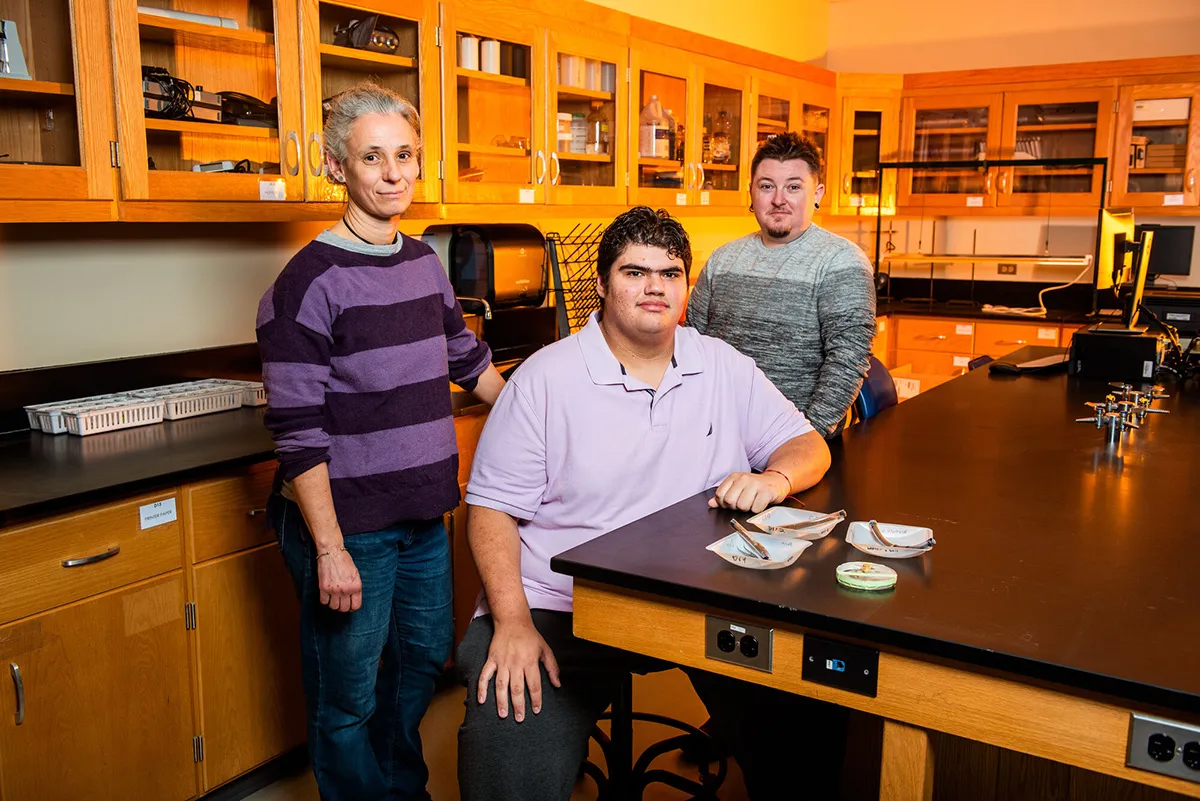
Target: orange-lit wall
[933,35]
[795,29]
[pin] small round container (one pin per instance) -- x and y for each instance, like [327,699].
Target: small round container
[866,576]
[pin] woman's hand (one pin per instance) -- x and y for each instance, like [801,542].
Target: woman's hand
[339,582]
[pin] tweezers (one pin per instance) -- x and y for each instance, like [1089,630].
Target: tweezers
[749,539]
[923,546]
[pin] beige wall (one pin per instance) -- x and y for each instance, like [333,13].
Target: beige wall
[933,35]
[795,29]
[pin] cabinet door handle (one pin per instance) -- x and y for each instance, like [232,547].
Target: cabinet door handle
[540,163]
[19,686]
[93,559]
[931,336]
[1191,180]
[556,171]
[700,185]
[846,184]
[315,165]
[987,183]
[691,176]
[1013,342]
[291,145]
[1004,182]
[256,512]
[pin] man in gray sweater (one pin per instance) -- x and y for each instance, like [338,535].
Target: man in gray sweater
[796,298]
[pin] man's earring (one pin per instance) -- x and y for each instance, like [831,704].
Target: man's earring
[816,205]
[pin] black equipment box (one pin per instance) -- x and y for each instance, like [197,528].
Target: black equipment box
[1115,356]
[1180,308]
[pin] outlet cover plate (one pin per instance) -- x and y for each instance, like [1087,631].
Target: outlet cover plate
[1143,727]
[762,636]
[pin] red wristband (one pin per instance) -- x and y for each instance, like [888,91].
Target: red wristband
[785,478]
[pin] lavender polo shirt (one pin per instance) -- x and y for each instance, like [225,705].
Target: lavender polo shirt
[575,447]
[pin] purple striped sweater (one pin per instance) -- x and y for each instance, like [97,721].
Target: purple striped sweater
[359,344]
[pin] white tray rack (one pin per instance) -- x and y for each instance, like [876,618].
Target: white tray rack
[97,418]
[193,399]
[48,417]
[253,392]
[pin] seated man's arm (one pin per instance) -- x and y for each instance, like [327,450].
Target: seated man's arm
[779,441]
[516,647]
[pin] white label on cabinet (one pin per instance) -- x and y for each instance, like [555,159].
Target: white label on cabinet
[881,324]
[681,198]
[704,198]
[1147,369]
[272,190]
[962,361]
[157,513]
[1172,200]
[855,201]
[975,202]
[527,196]
[964,330]
[1048,333]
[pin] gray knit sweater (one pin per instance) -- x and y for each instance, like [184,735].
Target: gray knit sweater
[804,311]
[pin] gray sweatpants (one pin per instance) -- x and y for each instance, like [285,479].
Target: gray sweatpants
[775,737]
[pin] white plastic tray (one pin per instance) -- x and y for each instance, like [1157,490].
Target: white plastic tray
[86,420]
[859,535]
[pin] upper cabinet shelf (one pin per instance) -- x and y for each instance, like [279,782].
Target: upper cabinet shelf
[154,28]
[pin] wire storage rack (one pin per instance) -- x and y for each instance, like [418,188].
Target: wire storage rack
[573,267]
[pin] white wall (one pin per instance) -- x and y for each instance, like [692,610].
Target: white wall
[933,35]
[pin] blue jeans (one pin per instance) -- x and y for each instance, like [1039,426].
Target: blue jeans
[369,675]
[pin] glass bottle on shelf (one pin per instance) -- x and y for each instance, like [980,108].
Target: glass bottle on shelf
[578,133]
[599,130]
[648,128]
[721,139]
[669,119]
[706,139]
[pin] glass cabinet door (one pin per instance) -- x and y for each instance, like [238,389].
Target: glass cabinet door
[950,129]
[725,153]
[400,56]
[587,111]
[54,129]
[210,104]
[663,161]
[773,116]
[869,134]
[1052,125]
[495,102]
[1157,146]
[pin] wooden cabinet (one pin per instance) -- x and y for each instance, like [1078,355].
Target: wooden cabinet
[1000,339]
[465,575]
[56,126]
[881,345]
[327,69]
[723,115]
[248,658]
[228,514]
[1157,149]
[96,702]
[256,53]
[1053,124]
[587,115]
[869,134]
[495,139]
[950,128]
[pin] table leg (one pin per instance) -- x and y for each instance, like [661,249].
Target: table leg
[621,738]
[907,768]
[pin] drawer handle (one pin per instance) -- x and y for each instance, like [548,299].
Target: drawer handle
[930,336]
[1011,342]
[93,559]
[19,685]
[256,512]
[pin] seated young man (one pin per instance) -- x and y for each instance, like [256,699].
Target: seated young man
[628,416]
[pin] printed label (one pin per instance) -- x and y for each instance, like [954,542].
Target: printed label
[1172,200]
[962,361]
[975,202]
[1183,318]
[737,628]
[527,196]
[704,198]
[272,190]
[681,198]
[157,513]
[1048,333]
[856,201]
[1147,369]
[964,330]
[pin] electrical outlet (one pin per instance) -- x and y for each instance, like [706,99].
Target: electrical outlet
[739,643]
[1164,746]
[1007,269]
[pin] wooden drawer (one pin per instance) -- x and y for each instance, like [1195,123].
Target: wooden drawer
[880,345]
[228,514]
[933,364]
[1001,339]
[467,429]
[34,578]
[941,336]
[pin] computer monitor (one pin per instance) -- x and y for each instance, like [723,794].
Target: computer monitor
[1172,248]
[1142,249]
[1114,262]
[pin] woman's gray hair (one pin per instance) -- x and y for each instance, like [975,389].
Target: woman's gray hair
[358,101]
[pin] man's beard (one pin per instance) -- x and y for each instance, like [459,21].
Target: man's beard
[777,233]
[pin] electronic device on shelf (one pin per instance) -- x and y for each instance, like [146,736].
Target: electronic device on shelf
[367,34]
[241,109]
[223,166]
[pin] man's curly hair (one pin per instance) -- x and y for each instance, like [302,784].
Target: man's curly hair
[641,225]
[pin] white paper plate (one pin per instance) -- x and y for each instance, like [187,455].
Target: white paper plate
[859,535]
[781,515]
[784,551]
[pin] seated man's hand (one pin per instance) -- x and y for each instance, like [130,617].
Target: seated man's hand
[750,492]
[513,658]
